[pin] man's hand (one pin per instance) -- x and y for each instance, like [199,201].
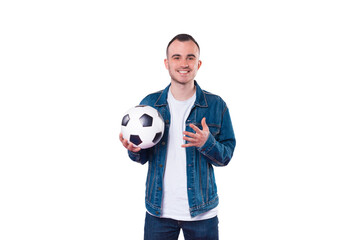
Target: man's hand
[128,145]
[198,138]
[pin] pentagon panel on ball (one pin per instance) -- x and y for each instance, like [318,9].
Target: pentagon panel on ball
[143,126]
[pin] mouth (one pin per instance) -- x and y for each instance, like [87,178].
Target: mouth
[183,72]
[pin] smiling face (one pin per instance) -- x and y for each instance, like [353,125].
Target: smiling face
[182,61]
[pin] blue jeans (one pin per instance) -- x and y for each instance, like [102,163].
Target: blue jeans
[168,229]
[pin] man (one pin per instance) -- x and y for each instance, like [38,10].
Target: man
[181,191]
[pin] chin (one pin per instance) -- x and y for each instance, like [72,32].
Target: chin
[182,81]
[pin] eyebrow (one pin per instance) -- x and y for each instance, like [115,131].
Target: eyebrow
[189,55]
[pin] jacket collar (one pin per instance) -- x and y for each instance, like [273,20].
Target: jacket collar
[200,100]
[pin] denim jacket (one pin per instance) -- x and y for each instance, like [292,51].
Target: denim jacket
[217,151]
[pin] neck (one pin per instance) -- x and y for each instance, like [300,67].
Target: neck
[181,91]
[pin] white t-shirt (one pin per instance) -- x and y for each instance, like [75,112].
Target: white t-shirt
[175,199]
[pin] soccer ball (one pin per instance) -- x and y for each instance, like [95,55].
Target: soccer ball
[143,126]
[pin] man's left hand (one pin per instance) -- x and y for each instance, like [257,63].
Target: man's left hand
[198,138]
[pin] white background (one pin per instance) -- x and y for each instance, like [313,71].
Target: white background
[288,70]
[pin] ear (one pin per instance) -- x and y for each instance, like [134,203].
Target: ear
[166,62]
[199,64]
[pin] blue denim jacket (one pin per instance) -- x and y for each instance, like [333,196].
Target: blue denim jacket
[217,151]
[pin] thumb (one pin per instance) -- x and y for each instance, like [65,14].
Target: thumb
[204,125]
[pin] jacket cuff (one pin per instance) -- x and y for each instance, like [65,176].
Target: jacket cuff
[134,156]
[209,144]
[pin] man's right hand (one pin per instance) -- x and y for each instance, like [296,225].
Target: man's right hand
[128,145]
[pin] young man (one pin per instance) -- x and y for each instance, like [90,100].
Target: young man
[181,191]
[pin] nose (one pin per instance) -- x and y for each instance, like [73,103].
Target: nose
[184,63]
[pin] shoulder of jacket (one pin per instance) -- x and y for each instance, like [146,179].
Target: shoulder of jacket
[152,97]
[212,96]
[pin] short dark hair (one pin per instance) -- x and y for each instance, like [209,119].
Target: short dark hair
[183,37]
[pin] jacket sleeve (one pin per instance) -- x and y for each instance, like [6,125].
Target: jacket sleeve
[139,157]
[219,151]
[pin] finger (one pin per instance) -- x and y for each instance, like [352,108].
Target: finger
[188,145]
[135,149]
[196,129]
[132,147]
[123,140]
[204,125]
[125,143]
[190,134]
[192,140]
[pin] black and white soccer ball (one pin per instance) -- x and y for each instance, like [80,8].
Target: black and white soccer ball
[143,126]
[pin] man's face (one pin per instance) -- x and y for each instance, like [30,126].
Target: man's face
[182,61]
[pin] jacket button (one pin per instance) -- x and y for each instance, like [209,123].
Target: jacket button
[163,143]
[167,121]
[160,165]
[159,188]
[157,213]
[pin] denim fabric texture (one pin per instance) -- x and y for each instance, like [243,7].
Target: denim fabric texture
[169,229]
[217,151]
